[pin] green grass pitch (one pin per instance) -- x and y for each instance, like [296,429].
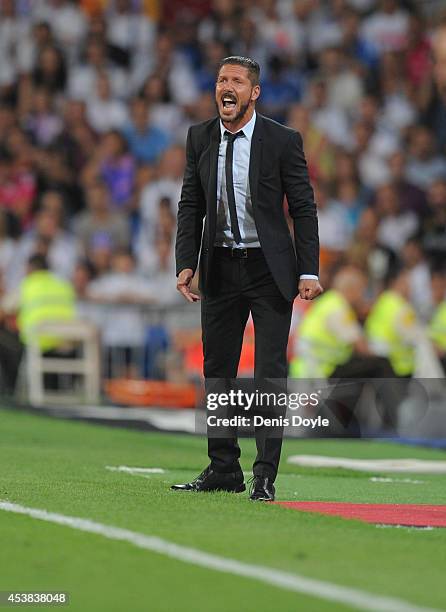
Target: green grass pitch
[60,466]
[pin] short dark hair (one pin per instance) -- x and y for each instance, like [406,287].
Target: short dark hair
[38,262]
[251,65]
[394,272]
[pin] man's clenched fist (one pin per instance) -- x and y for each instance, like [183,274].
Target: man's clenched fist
[183,285]
[309,288]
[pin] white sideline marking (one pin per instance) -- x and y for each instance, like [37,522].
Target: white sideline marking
[401,480]
[411,528]
[134,470]
[292,582]
[420,466]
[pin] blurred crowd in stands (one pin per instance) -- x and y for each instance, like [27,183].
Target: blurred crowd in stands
[96,98]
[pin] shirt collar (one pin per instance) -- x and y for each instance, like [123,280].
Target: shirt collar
[247,129]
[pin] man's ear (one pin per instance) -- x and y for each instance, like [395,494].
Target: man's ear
[255,92]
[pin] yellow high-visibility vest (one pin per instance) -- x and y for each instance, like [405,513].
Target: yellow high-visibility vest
[382,327]
[44,297]
[320,350]
[437,327]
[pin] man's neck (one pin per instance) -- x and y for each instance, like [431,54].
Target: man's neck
[240,124]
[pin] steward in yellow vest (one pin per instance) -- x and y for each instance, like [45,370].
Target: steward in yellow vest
[391,325]
[437,325]
[330,331]
[43,297]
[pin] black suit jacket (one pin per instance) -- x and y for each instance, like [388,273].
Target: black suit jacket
[277,167]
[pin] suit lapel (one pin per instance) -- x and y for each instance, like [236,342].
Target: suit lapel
[255,158]
[212,184]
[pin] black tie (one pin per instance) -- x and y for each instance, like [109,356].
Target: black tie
[230,184]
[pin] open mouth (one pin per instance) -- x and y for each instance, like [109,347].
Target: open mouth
[229,101]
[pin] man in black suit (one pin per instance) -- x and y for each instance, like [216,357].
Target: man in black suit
[239,167]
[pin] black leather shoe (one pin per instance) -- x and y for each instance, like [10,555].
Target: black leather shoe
[209,480]
[262,489]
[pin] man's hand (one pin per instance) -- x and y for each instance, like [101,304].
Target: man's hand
[309,288]
[183,285]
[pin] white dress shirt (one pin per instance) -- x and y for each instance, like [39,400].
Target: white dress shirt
[243,202]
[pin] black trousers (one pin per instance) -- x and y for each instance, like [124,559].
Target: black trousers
[240,287]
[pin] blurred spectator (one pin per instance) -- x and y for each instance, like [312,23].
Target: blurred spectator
[174,67]
[114,164]
[346,170]
[84,273]
[133,32]
[7,250]
[334,227]
[213,51]
[330,120]
[7,120]
[164,114]
[162,291]
[434,229]
[280,88]
[395,226]
[331,342]
[411,197]
[12,29]
[55,173]
[39,37]
[42,297]
[130,30]
[122,325]
[43,123]
[398,108]
[437,326]
[159,224]
[66,20]
[17,188]
[48,238]
[277,34]
[432,97]
[249,42]
[45,298]
[105,112]
[84,76]
[344,86]
[355,43]
[424,164]
[98,31]
[372,167]
[52,202]
[50,70]
[167,185]
[100,252]
[77,139]
[348,197]
[219,23]
[11,351]
[418,51]
[146,142]
[366,251]
[419,277]
[99,219]
[392,324]
[387,28]
[319,152]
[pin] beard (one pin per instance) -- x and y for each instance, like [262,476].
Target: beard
[238,116]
